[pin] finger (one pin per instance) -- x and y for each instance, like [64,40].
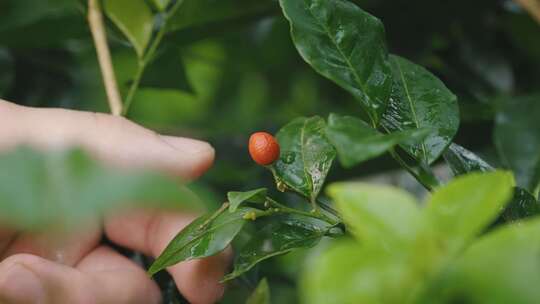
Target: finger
[103,277]
[63,247]
[151,232]
[110,138]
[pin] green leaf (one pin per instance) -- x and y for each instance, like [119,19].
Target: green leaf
[517,138]
[64,189]
[377,214]
[161,4]
[522,205]
[261,295]
[277,238]
[134,18]
[421,100]
[306,156]
[206,236]
[345,44]
[198,12]
[167,71]
[348,273]
[460,210]
[253,196]
[355,141]
[463,161]
[501,267]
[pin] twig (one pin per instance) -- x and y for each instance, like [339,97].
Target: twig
[531,6]
[95,20]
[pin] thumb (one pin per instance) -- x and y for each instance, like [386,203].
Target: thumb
[112,139]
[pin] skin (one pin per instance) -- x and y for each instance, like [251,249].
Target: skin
[66,268]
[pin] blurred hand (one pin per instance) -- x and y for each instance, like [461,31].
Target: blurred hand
[76,268]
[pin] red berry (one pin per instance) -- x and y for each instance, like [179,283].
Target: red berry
[263,148]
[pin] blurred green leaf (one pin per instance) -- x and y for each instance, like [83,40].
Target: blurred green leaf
[134,18]
[167,71]
[63,189]
[277,238]
[355,141]
[377,215]
[345,44]
[261,295]
[502,267]
[18,13]
[162,4]
[205,236]
[517,138]
[254,196]
[306,156]
[460,210]
[421,100]
[462,161]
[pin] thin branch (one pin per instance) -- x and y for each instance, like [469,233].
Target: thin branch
[531,6]
[95,20]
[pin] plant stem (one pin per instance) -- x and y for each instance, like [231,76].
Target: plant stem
[532,6]
[319,216]
[95,20]
[410,170]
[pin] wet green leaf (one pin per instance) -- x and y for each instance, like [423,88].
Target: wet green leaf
[460,210]
[306,156]
[355,141]
[277,238]
[261,295]
[376,214]
[463,161]
[63,189]
[517,138]
[345,44]
[254,196]
[522,205]
[134,18]
[421,100]
[206,236]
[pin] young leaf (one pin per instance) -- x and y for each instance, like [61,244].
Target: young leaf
[375,214]
[460,210]
[253,196]
[355,141]
[517,138]
[522,205]
[202,238]
[63,189]
[277,238]
[421,100]
[161,4]
[306,156]
[346,45]
[501,267]
[261,295]
[134,18]
[463,161]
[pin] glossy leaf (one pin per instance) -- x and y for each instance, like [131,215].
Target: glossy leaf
[206,236]
[517,138]
[64,189]
[167,71]
[190,13]
[134,18]
[277,238]
[345,44]
[375,214]
[421,100]
[306,156]
[254,196]
[501,267]
[355,141]
[460,210]
[261,295]
[462,161]
[522,205]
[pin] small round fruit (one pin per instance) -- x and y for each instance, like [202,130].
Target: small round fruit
[263,148]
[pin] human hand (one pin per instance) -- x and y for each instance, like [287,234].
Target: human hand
[76,268]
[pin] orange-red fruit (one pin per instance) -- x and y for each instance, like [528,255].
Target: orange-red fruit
[263,148]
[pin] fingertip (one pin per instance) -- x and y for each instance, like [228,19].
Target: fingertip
[200,155]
